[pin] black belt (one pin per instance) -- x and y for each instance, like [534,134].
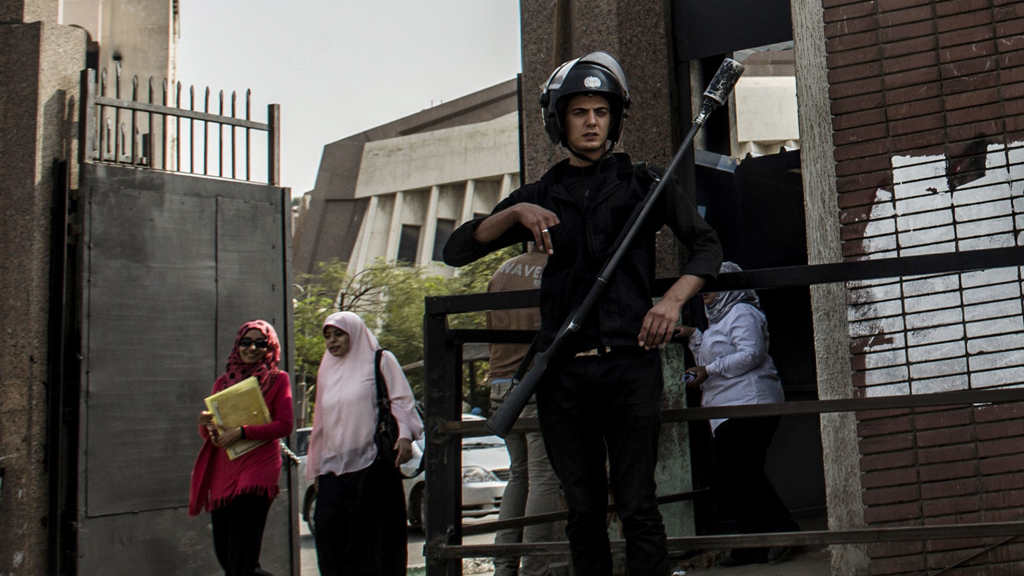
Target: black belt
[599,351]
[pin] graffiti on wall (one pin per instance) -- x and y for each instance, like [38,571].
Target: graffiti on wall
[936,333]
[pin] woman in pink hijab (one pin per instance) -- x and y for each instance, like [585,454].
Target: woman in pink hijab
[238,492]
[360,513]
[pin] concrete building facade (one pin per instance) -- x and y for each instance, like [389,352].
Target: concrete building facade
[396,191]
[139,35]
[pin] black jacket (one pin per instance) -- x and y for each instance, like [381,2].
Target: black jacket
[585,238]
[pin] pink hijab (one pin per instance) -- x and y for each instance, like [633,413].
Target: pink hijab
[346,403]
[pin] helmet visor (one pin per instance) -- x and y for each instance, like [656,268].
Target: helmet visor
[558,76]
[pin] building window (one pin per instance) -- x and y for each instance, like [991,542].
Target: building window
[408,244]
[444,230]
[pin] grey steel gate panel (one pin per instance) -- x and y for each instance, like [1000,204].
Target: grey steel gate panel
[248,247]
[173,265]
[152,299]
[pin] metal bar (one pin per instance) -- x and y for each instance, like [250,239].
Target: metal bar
[88,126]
[220,139]
[809,538]
[152,129]
[164,141]
[117,114]
[100,124]
[274,144]
[486,527]
[180,113]
[206,133]
[791,276]
[443,512]
[965,397]
[234,96]
[135,96]
[484,301]
[493,336]
[784,277]
[177,132]
[192,131]
[248,115]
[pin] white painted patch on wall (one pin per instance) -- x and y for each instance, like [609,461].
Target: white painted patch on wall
[923,334]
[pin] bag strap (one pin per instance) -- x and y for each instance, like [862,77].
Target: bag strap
[384,405]
[383,399]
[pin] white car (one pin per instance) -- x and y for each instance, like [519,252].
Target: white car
[485,473]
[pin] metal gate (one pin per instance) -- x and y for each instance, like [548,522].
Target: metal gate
[169,266]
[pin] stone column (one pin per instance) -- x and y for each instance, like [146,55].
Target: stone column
[40,63]
[828,302]
[635,33]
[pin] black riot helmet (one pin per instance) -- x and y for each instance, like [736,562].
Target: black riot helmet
[596,73]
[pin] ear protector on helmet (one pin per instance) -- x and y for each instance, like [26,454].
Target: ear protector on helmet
[596,73]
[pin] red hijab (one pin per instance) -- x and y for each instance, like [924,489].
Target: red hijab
[265,370]
[257,471]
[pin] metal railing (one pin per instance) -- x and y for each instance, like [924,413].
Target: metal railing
[443,350]
[152,128]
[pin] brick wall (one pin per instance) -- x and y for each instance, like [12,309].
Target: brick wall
[927,99]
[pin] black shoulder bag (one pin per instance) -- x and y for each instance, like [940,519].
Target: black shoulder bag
[386,434]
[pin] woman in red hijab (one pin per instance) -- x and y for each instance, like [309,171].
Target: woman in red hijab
[238,492]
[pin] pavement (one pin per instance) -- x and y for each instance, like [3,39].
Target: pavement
[800,562]
[417,564]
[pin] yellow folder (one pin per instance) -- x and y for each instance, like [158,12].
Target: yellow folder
[241,404]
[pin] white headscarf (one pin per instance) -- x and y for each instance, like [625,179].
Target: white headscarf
[724,301]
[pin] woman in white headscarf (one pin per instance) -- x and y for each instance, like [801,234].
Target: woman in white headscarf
[734,368]
[360,513]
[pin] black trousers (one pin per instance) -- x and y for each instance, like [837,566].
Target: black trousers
[238,533]
[743,492]
[607,408]
[360,523]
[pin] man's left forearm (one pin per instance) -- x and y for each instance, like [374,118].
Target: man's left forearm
[683,289]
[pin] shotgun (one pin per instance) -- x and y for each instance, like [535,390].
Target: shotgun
[505,416]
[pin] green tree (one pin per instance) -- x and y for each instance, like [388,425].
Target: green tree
[389,299]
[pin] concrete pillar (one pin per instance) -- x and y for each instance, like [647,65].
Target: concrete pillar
[365,235]
[506,187]
[426,251]
[467,202]
[831,332]
[40,63]
[395,230]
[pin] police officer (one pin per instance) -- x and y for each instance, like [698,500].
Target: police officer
[600,401]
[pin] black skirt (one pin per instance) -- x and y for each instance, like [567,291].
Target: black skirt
[360,522]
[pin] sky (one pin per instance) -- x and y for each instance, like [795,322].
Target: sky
[339,67]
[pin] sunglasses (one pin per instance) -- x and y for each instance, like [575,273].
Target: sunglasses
[260,343]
